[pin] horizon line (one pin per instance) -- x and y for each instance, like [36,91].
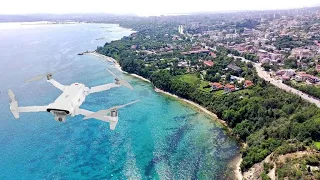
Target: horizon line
[164,14]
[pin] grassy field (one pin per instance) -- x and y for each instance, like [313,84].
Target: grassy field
[195,80]
[317,144]
[204,86]
[243,91]
[218,93]
[190,78]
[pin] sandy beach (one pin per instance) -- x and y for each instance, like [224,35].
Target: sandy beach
[140,77]
[110,59]
[235,163]
[102,56]
[117,65]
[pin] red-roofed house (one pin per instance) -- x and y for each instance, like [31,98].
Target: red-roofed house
[208,63]
[302,76]
[216,86]
[248,83]
[229,88]
[285,78]
[213,54]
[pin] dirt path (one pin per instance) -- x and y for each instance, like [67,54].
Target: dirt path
[272,173]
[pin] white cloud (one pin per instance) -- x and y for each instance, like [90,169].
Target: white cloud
[144,7]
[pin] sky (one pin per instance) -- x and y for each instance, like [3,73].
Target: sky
[145,7]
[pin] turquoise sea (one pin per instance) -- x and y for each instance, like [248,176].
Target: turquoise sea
[157,138]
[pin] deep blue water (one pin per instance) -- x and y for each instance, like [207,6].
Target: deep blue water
[157,138]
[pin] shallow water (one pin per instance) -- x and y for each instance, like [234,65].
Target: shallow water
[157,138]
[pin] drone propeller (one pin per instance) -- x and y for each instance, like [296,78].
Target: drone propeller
[120,81]
[36,78]
[11,95]
[14,107]
[41,76]
[103,113]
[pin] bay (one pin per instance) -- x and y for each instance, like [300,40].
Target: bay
[156,138]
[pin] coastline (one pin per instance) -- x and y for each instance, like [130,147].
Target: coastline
[235,162]
[94,53]
[140,77]
[110,59]
[117,65]
[198,106]
[235,165]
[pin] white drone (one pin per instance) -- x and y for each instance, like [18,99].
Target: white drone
[69,102]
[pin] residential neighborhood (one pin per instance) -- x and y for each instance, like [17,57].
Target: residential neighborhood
[286,46]
[257,71]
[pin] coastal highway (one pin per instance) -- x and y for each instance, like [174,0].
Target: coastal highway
[266,76]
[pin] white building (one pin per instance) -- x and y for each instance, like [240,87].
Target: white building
[180,29]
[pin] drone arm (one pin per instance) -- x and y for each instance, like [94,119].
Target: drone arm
[32,109]
[57,85]
[15,109]
[112,120]
[103,87]
[84,112]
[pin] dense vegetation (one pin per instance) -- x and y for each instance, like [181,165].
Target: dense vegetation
[247,23]
[289,42]
[263,116]
[251,57]
[309,89]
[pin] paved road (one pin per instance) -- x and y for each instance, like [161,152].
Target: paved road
[266,76]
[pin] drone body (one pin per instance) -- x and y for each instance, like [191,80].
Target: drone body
[69,102]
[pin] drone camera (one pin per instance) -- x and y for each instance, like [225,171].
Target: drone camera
[49,76]
[117,81]
[59,116]
[114,113]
